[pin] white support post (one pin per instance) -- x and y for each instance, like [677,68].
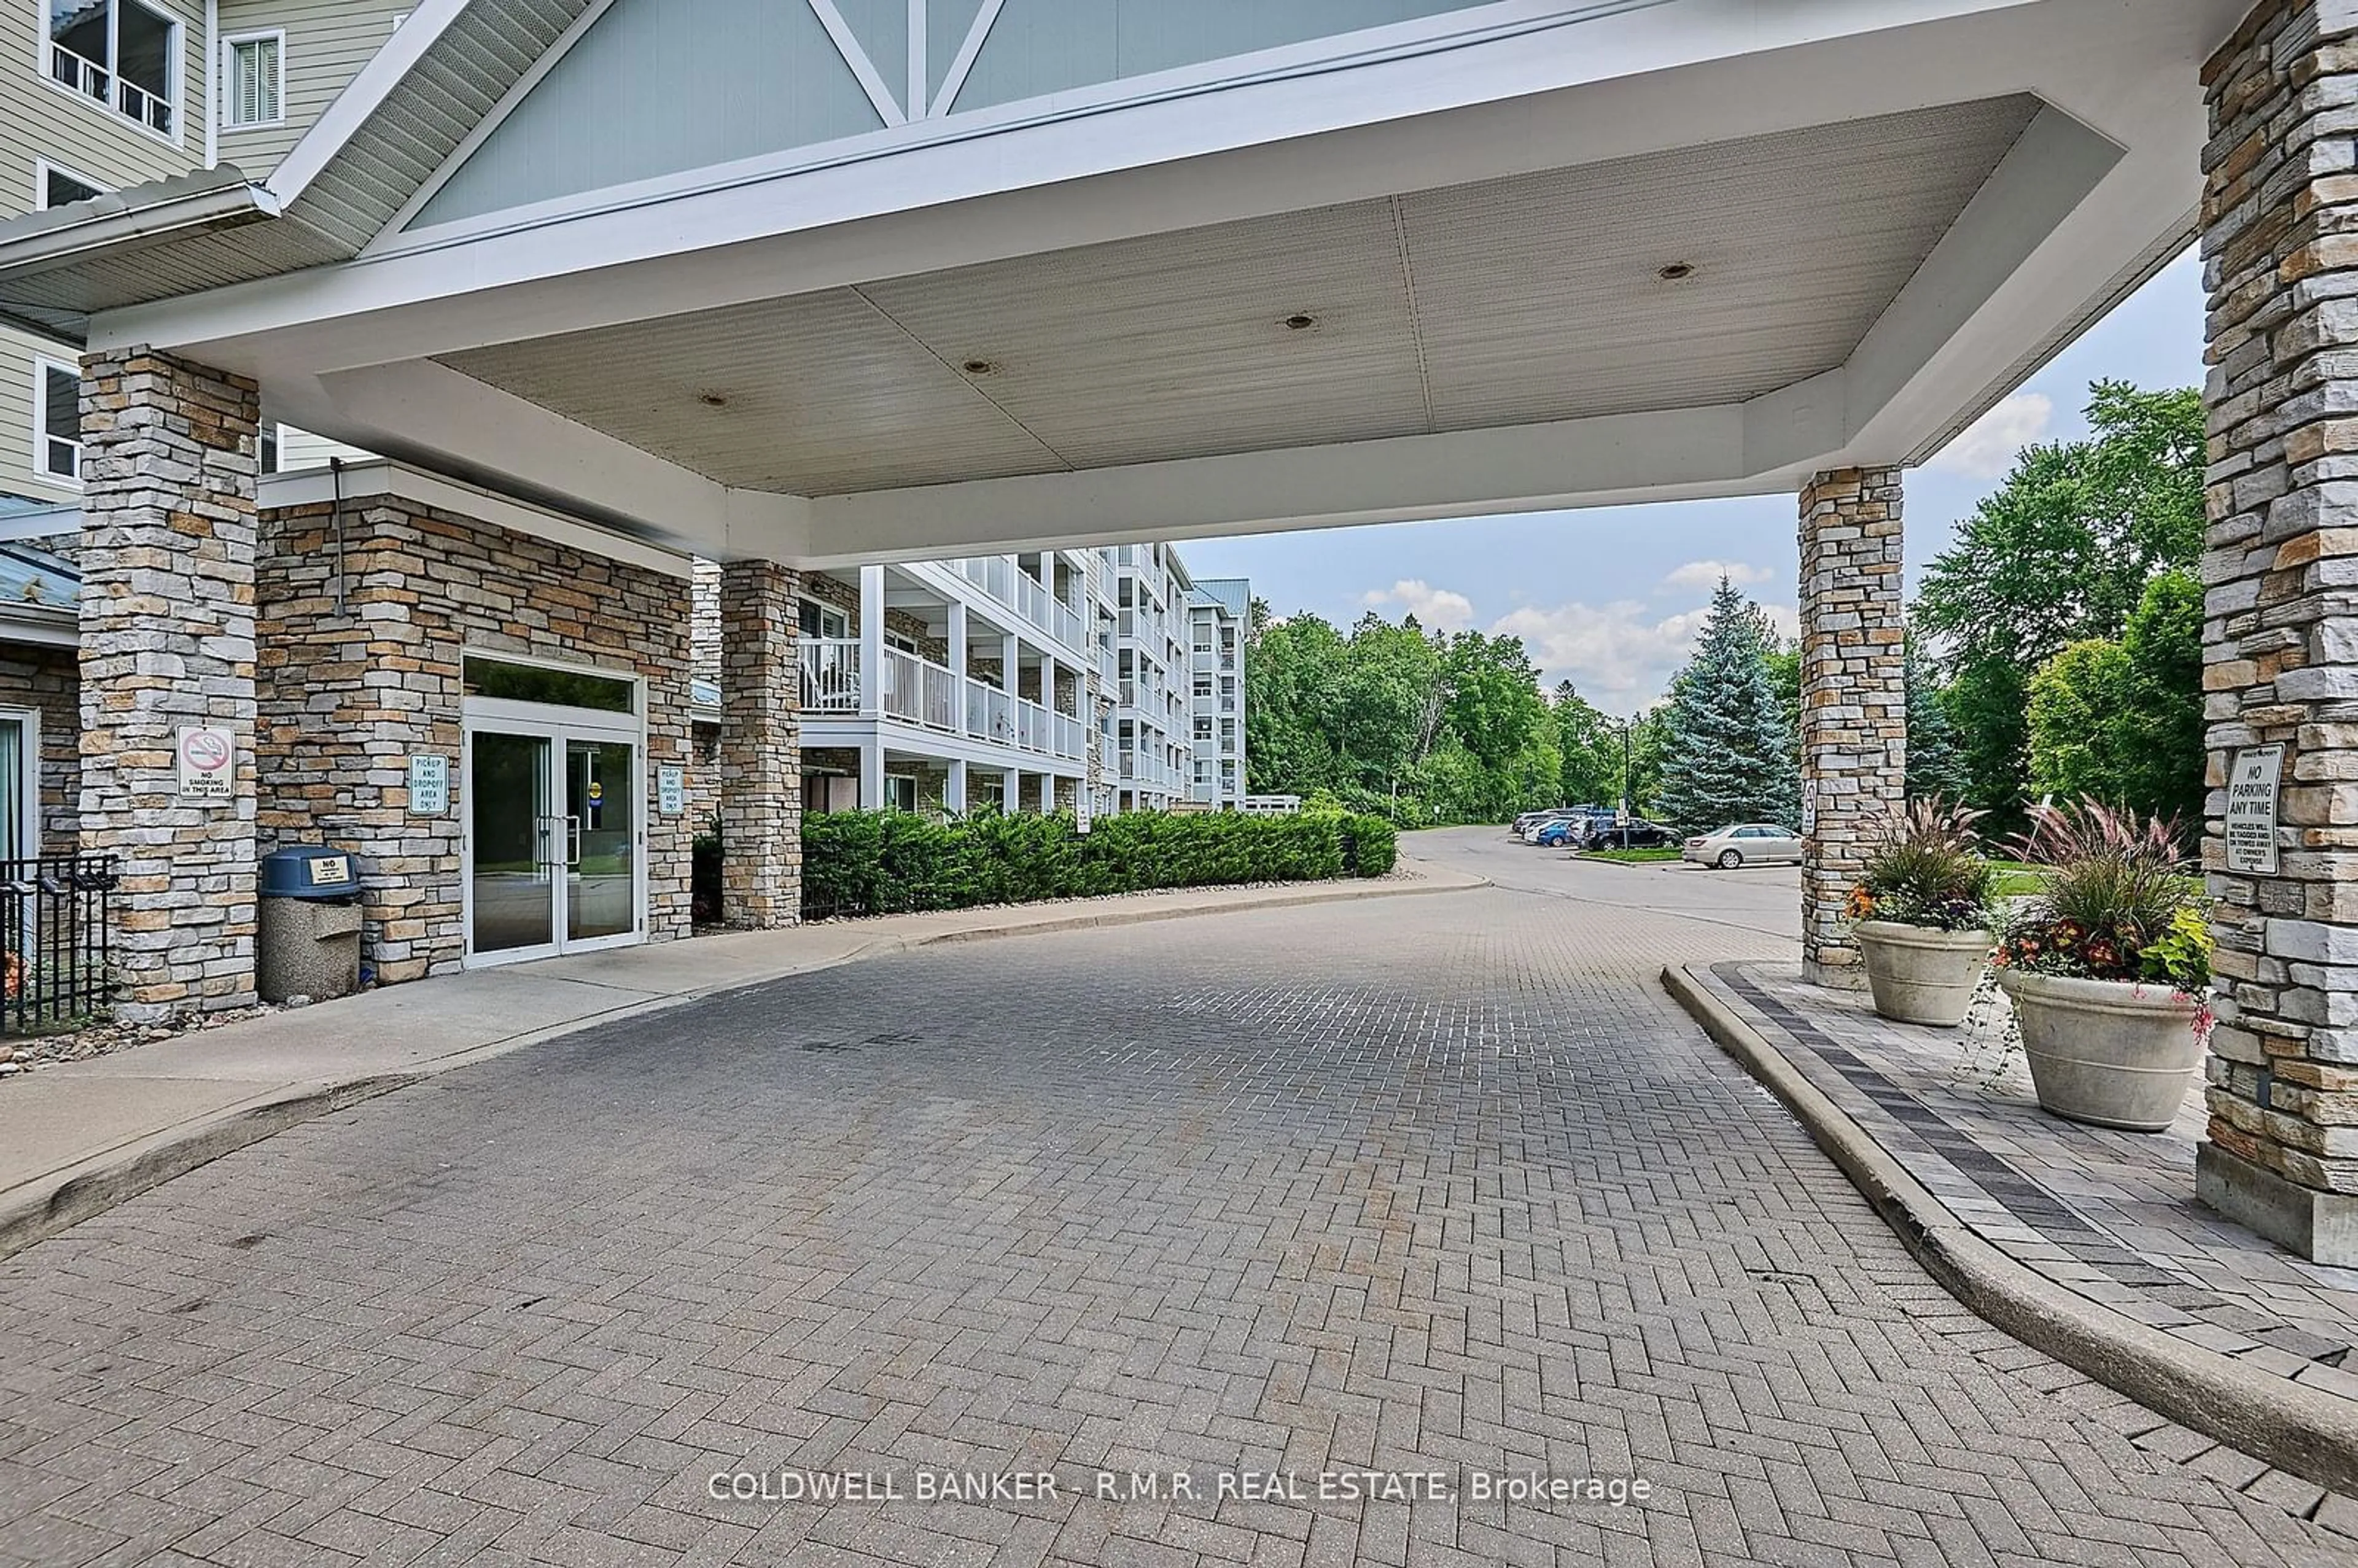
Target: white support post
[954,790]
[871,775]
[872,652]
[957,644]
[1011,790]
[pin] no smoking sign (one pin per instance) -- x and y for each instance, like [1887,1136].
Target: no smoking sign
[208,763]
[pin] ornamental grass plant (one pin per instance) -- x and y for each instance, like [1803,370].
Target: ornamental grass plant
[2120,902]
[1926,868]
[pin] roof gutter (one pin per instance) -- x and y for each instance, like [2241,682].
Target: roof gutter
[124,228]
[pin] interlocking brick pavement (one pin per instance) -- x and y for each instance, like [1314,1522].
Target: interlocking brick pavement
[1443,1183]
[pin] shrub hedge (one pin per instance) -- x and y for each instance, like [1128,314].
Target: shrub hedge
[889,862]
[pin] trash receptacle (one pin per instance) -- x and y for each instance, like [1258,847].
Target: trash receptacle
[309,940]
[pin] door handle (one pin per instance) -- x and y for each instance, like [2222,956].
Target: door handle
[572,843]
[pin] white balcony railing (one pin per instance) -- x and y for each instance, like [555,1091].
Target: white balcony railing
[830,667]
[918,691]
[125,97]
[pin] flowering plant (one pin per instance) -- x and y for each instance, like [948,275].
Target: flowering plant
[2119,904]
[1926,870]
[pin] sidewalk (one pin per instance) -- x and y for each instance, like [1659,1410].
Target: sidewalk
[78,1138]
[2084,1242]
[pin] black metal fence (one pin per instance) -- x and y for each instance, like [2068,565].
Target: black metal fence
[56,967]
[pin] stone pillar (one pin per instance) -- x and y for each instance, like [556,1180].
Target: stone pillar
[2281,637]
[760,752]
[171,452]
[1853,700]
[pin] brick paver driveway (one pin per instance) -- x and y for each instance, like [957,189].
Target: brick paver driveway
[1428,1185]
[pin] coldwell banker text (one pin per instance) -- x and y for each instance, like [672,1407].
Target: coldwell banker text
[1001,1487]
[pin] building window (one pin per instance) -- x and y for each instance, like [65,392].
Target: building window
[252,93]
[270,440]
[823,620]
[56,422]
[62,188]
[120,52]
[899,792]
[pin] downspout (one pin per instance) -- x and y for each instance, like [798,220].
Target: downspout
[212,82]
[336,524]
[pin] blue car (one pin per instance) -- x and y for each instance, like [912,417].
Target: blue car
[1557,834]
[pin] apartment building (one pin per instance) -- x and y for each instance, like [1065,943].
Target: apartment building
[1048,681]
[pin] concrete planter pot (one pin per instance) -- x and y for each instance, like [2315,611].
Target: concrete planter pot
[1919,975]
[2108,1053]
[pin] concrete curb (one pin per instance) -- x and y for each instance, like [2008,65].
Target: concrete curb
[2300,1430]
[38,1209]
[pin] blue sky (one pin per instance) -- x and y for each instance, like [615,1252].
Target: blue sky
[1619,615]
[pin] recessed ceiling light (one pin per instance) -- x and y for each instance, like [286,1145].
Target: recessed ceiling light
[979,367]
[713,399]
[1677,272]
[1300,322]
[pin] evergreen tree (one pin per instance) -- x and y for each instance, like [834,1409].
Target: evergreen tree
[1729,757]
[1935,765]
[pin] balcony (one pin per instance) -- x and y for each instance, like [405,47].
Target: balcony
[1021,592]
[125,97]
[920,692]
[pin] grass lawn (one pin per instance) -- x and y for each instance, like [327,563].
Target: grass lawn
[1629,857]
[2019,879]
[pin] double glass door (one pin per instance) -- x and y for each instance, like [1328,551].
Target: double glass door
[553,840]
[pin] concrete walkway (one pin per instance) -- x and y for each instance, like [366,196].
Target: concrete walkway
[79,1137]
[2086,1243]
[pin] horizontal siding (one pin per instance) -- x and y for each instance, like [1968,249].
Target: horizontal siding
[302,449]
[328,41]
[41,120]
[18,353]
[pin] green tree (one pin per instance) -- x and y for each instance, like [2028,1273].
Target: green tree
[2122,720]
[2059,554]
[1728,756]
[1589,745]
[1935,764]
[2075,705]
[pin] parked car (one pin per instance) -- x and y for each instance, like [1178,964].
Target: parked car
[1748,844]
[1560,832]
[1529,823]
[1605,833]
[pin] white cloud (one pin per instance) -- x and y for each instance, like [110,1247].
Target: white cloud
[1621,655]
[1705,575]
[1986,449]
[1435,609]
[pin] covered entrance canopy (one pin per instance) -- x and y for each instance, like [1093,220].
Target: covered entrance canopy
[795,283]
[831,281]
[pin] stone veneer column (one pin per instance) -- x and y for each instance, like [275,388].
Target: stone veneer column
[1853,698]
[761,750]
[170,457]
[2281,637]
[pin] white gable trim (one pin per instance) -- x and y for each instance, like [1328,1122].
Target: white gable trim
[364,95]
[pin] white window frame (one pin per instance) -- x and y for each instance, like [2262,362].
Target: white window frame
[35,819]
[224,95]
[42,366]
[43,168]
[892,791]
[174,96]
[828,615]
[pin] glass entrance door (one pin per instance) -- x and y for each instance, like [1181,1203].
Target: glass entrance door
[601,881]
[553,821]
[512,875]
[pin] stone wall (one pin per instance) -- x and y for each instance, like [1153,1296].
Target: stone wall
[704,621]
[1853,698]
[170,456]
[358,675]
[2281,634]
[49,681]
